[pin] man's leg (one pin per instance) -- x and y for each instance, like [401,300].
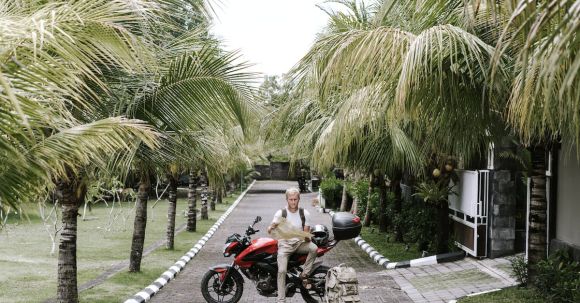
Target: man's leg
[309,248]
[284,251]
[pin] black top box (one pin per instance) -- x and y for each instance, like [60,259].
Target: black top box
[345,226]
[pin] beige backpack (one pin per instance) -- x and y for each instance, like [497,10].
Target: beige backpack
[342,285]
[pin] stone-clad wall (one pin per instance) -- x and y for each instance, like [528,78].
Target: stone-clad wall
[279,170]
[264,171]
[502,222]
[276,171]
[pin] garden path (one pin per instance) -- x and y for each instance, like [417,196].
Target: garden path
[263,200]
[434,283]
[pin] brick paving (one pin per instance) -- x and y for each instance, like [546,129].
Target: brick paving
[447,281]
[263,200]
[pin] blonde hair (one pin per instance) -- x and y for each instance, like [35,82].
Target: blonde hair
[291,191]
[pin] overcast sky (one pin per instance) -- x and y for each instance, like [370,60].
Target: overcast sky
[273,34]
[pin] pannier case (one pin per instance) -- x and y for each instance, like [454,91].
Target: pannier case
[345,226]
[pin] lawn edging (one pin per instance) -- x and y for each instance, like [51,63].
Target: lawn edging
[149,291]
[387,264]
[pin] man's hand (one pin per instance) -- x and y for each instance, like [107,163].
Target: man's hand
[271,227]
[307,229]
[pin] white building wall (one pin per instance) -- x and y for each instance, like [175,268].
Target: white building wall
[568,195]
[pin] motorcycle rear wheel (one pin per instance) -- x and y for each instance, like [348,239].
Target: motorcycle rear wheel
[317,292]
[231,292]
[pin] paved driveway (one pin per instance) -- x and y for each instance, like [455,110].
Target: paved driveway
[263,200]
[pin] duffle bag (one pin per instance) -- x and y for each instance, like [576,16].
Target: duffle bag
[342,285]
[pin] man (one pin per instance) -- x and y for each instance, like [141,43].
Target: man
[300,219]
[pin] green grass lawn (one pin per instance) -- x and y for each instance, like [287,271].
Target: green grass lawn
[29,271]
[385,244]
[508,295]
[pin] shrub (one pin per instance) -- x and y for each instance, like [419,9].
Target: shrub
[359,190]
[520,269]
[375,206]
[558,278]
[331,189]
[420,224]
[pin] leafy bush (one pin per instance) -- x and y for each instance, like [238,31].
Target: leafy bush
[418,221]
[436,193]
[359,190]
[331,189]
[559,278]
[374,207]
[420,224]
[520,269]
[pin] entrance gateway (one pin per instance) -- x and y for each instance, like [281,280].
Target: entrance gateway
[468,209]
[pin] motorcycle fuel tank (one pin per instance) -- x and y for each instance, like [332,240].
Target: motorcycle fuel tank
[260,248]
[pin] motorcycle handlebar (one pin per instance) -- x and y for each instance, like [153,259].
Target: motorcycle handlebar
[250,231]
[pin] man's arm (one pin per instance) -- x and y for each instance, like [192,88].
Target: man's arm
[275,221]
[272,227]
[307,224]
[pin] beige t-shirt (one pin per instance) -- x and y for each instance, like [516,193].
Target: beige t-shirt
[293,218]
[290,229]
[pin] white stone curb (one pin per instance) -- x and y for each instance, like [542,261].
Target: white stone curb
[478,293]
[151,290]
[387,264]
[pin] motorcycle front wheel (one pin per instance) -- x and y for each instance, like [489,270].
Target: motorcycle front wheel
[317,292]
[230,291]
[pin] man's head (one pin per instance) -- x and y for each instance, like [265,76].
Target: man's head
[293,198]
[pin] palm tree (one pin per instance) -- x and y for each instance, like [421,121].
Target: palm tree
[51,77]
[542,39]
[172,203]
[71,190]
[358,129]
[219,151]
[195,86]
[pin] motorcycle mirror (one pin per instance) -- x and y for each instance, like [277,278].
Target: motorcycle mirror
[258,219]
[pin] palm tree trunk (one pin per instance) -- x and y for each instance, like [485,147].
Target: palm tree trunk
[139,225]
[538,211]
[192,207]
[204,215]
[220,195]
[354,207]
[368,214]
[172,205]
[398,207]
[213,199]
[232,186]
[70,194]
[383,220]
[344,199]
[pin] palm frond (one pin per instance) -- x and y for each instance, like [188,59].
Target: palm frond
[202,88]
[68,150]
[443,87]
[545,99]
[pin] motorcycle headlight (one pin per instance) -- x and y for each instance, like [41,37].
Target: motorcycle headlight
[226,253]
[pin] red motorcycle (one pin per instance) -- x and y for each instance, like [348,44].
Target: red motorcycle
[256,259]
